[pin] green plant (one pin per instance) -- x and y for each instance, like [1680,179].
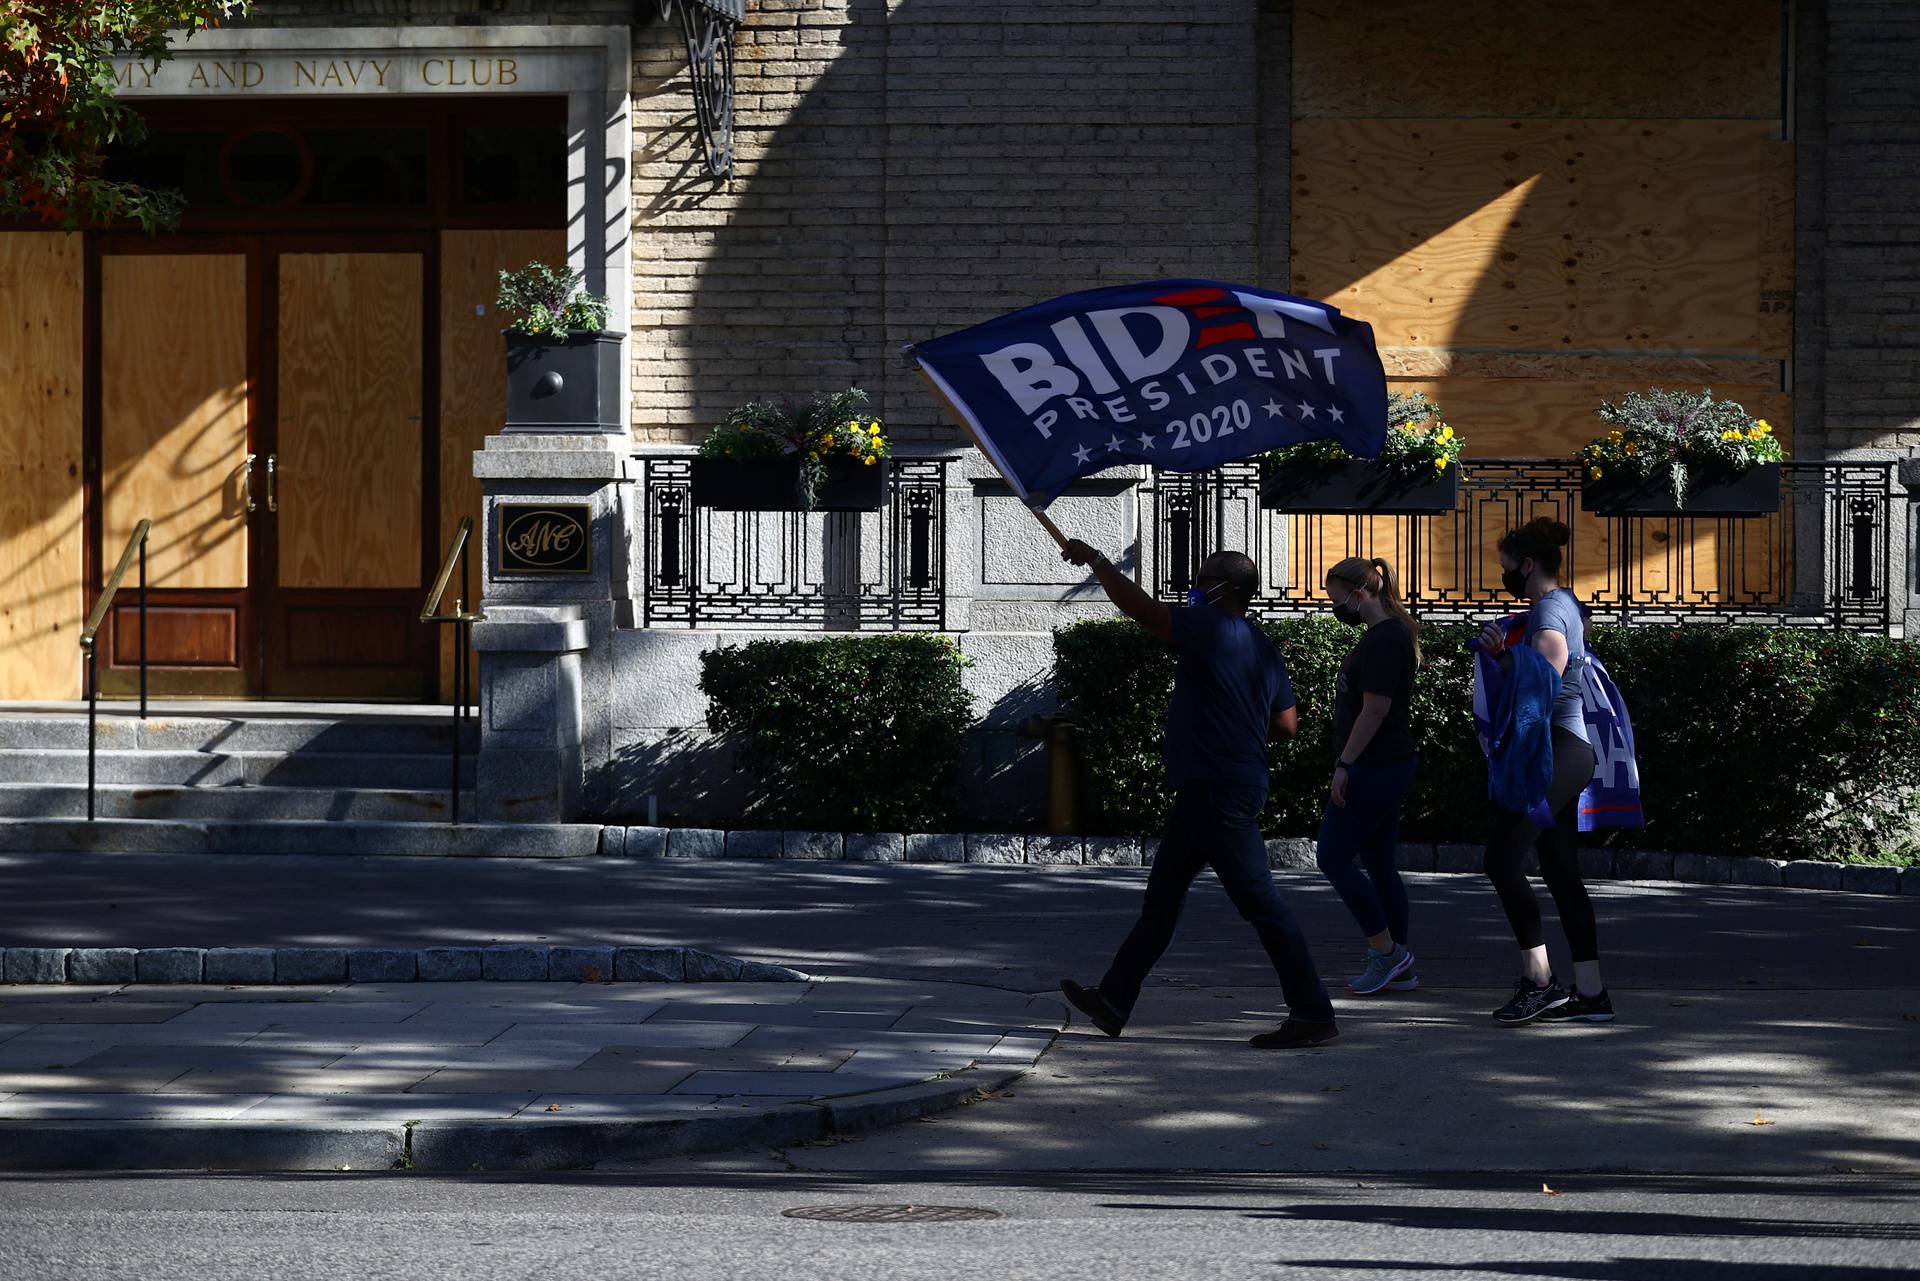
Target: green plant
[60,115]
[548,302]
[1673,432]
[1418,443]
[826,427]
[857,733]
[1751,740]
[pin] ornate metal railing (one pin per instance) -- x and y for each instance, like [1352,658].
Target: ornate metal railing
[462,620]
[833,570]
[1824,560]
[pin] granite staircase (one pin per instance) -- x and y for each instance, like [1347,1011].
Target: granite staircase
[316,779]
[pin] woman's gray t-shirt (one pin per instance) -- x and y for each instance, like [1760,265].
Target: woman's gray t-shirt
[1558,611]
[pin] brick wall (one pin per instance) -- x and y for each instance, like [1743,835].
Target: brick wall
[1865,178]
[906,167]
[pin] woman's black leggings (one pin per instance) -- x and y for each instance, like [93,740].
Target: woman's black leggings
[1514,834]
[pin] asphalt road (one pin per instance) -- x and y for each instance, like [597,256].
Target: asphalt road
[1176,1226]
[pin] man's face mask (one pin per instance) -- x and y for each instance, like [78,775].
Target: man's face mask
[1199,596]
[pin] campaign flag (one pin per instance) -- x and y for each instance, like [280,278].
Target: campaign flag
[1180,374]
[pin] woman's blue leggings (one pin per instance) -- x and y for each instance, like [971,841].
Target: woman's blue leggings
[1366,833]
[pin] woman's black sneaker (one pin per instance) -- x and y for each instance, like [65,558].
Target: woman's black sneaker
[1581,1009]
[1089,1002]
[1530,1002]
[1294,1034]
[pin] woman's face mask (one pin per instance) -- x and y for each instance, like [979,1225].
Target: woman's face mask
[1347,612]
[1515,581]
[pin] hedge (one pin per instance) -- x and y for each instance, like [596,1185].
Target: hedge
[1782,743]
[857,733]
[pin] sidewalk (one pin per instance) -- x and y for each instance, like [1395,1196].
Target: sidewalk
[492,1075]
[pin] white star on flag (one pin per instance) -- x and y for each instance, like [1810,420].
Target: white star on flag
[1337,414]
[1146,441]
[1273,408]
[1113,446]
[1306,411]
[1081,455]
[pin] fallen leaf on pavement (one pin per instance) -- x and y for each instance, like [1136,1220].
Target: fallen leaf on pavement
[1334,1089]
[1760,1120]
[1910,1018]
[553,1107]
[1321,1146]
[1549,1191]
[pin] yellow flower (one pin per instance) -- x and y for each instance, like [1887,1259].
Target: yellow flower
[874,430]
[1632,448]
[1439,464]
[1446,432]
[871,460]
[1763,427]
[1594,472]
[1613,435]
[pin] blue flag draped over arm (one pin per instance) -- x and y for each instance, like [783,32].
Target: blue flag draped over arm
[1180,374]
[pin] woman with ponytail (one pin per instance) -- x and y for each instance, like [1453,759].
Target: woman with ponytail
[1373,736]
[1555,629]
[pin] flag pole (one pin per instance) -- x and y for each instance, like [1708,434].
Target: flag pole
[1046,521]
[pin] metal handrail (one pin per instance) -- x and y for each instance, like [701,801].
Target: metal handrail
[463,621]
[136,546]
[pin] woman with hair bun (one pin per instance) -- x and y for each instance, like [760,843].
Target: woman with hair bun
[1555,630]
[1374,746]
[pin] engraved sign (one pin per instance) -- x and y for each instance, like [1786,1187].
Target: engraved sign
[545,538]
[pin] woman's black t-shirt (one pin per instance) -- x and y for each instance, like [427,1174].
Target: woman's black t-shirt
[1382,663]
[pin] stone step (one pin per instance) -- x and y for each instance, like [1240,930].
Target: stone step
[231,804]
[419,840]
[120,732]
[418,771]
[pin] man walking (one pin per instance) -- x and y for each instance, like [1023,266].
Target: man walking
[1230,696]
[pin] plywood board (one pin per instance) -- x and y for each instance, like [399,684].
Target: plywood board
[42,534]
[173,414]
[349,409]
[473,377]
[1520,58]
[1565,237]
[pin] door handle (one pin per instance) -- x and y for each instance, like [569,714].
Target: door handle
[246,482]
[273,493]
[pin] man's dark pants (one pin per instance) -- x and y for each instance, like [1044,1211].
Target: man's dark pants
[1217,826]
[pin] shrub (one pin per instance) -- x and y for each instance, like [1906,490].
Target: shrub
[1780,743]
[858,733]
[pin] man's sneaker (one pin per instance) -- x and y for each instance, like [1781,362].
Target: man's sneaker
[1382,969]
[1530,1002]
[1582,1009]
[1089,1002]
[1294,1034]
[1407,982]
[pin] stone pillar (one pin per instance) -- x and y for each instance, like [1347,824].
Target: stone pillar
[546,649]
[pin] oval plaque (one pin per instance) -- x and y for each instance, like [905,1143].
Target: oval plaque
[545,538]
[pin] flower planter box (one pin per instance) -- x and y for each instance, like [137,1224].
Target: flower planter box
[773,485]
[1356,485]
[1754,492]
[570,386]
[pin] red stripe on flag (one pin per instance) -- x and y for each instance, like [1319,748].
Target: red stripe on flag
[1224,333]
[1214,311]
[1192,297]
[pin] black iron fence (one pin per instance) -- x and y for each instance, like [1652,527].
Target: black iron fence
[1824,560]
[851,570]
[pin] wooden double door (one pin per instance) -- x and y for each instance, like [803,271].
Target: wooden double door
[272,403]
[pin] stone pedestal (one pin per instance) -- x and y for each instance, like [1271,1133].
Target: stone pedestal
[546,649]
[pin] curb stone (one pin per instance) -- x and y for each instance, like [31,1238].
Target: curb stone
[263,966]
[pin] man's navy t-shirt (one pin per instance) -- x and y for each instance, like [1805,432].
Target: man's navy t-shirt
[1228,684]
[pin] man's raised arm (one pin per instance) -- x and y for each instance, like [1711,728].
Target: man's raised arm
[1126,594]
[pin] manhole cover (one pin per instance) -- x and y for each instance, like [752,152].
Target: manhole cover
[892,1213]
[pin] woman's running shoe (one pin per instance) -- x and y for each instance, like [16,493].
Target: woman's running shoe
[1530,1002]
[1581,1009]
[1382,969]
